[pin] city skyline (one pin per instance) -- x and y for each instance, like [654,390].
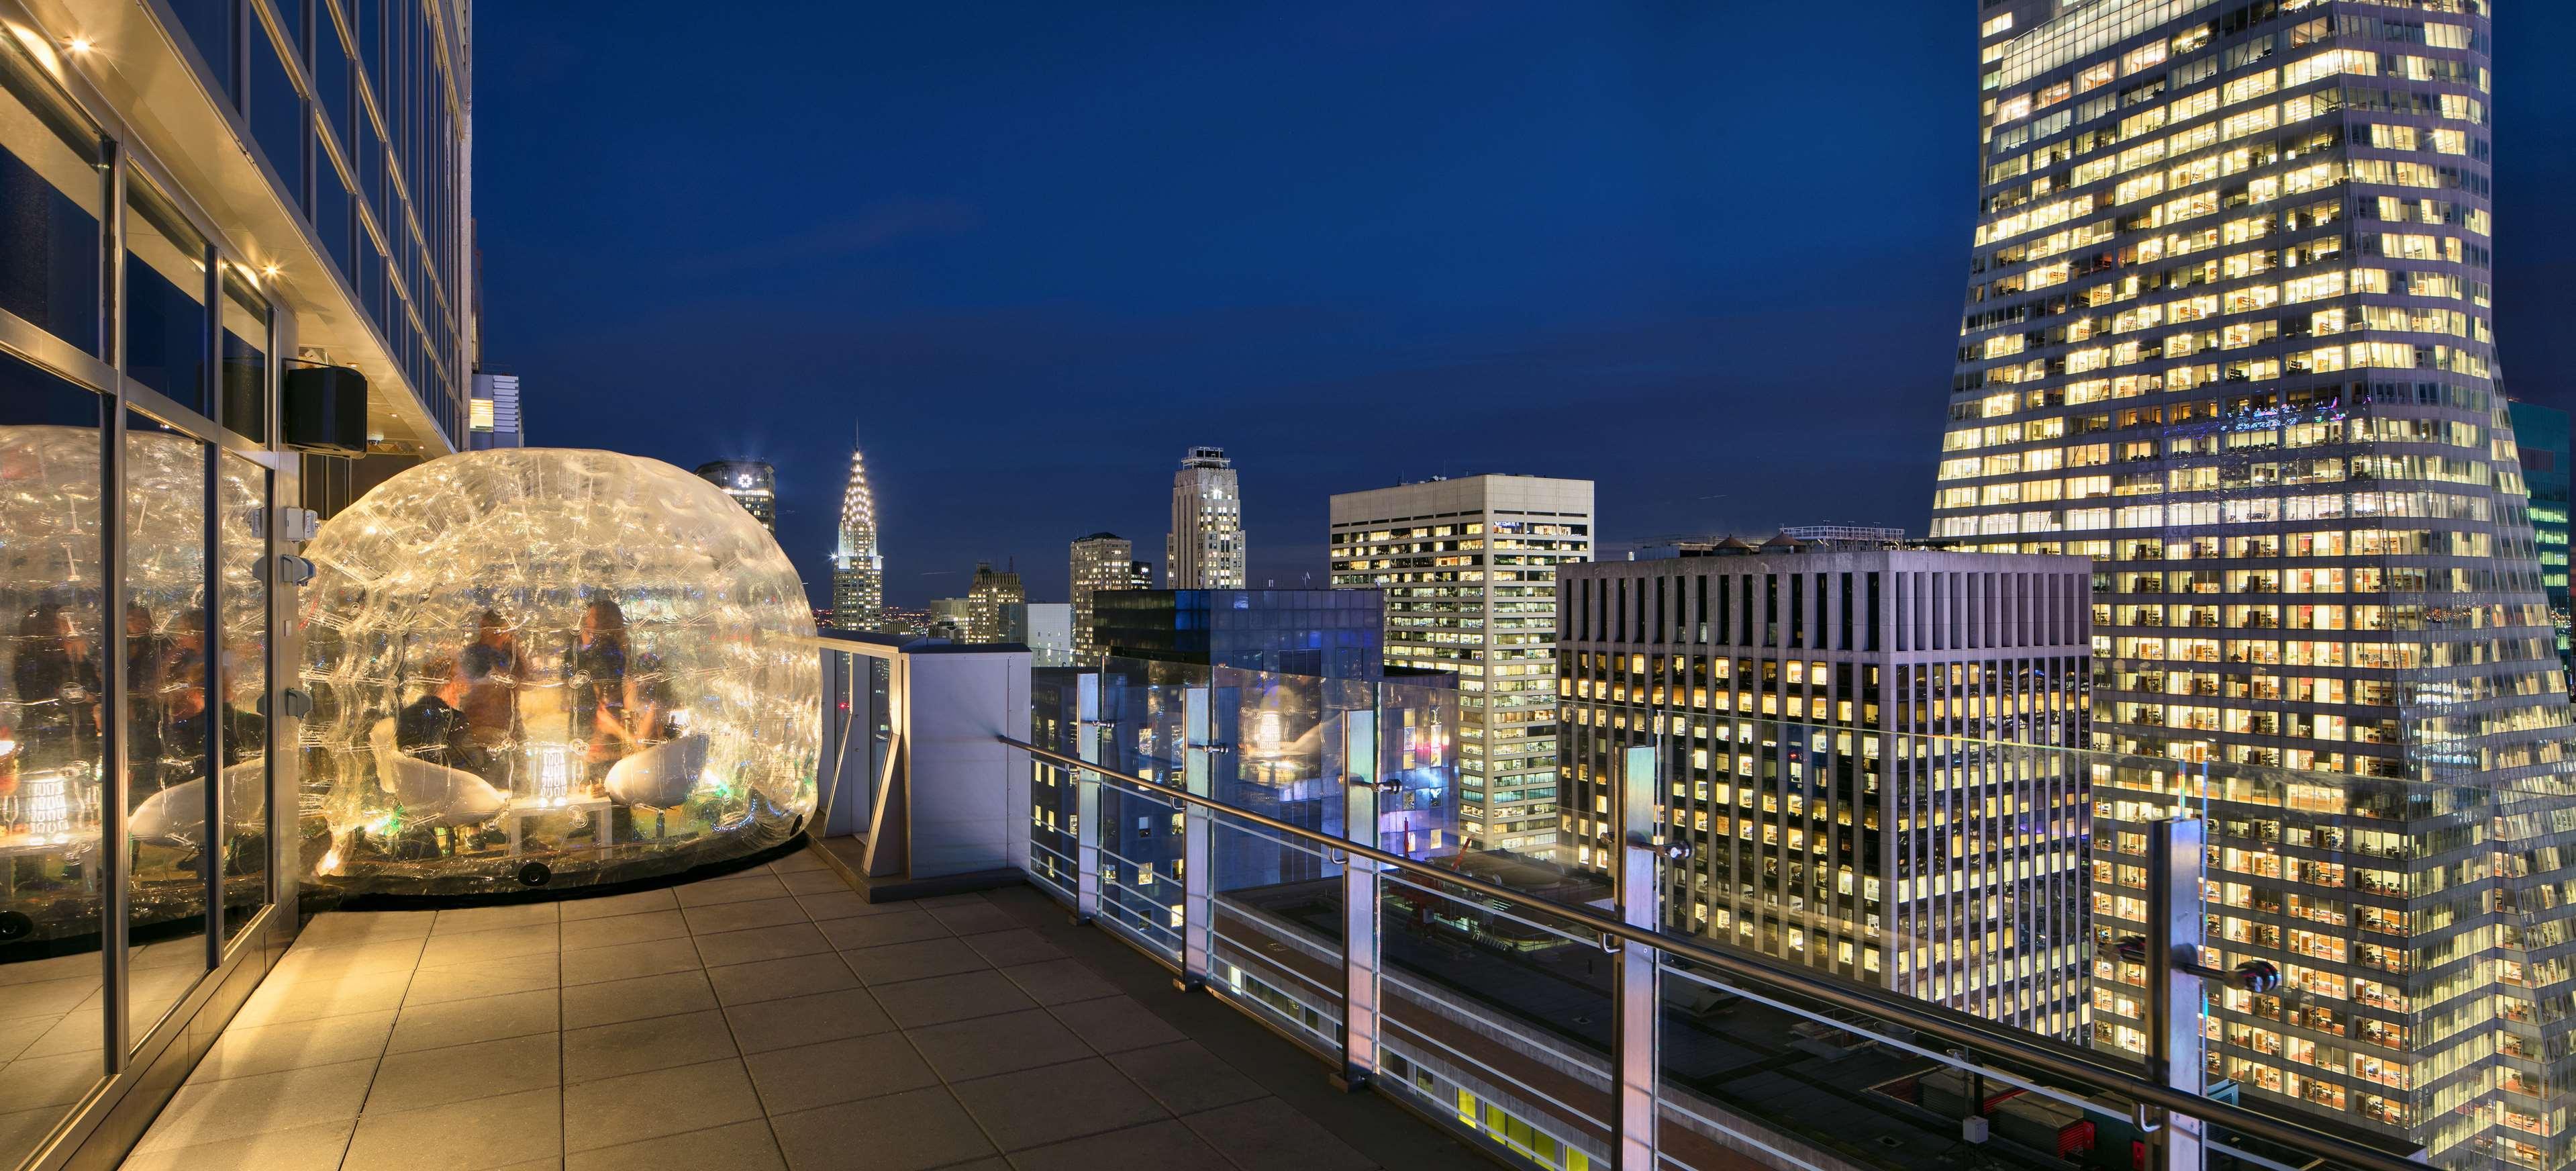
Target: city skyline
[1630,278]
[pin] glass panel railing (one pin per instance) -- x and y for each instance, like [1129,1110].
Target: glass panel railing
[1871,947]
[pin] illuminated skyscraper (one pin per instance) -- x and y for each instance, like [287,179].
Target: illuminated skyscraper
[1205,549]
[1782,686]
[996,606]
[1101,561]
[1469,567]
[858,571]
[2540,434]
[2228,334]
[751,483]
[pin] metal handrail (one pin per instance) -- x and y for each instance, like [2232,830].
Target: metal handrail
[1968,1032]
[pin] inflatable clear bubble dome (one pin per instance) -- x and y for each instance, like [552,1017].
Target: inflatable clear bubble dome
[581,660]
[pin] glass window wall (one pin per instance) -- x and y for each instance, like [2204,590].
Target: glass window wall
[165,298]
[53,673]
[134,621]
[52,188]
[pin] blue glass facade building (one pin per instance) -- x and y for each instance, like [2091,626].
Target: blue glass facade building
[2540,435]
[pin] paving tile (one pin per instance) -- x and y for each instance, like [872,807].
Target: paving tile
[642,927]
[842,903]
[1159,1146]
[660,1102]
[1267,1134]
[302,1148]
[338,928]
[1059,981]
[1112,1023]
[1185,1077]
[73,966]
[731,890]
[976,918]
[77,1032]
[490,978]
[48,1081]
[483,1018]
[802,860]
[1016,946]
[803,1020]
[744,915]
[899,1132]
[504,1133]
[485,946]
[969,899]
[846,1070]
[457,1073]
[626,961]
[611,1001]
[465,919]
[49,997]
[1050,1104]
[606,1051]
[609,906]
[778,979]
[879,930]
[989,1045]
[331,963]
[891,962]
[761,943]
[295,1045]
[816,881]
[741,1146]
[16,1036]
[239,1106]
[940,999]
[277,1004]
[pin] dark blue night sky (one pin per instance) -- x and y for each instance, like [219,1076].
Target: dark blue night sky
[1707,254]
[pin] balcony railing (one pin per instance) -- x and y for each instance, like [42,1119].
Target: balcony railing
[1282,843]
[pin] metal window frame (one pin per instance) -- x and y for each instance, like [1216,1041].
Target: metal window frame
[126,1059]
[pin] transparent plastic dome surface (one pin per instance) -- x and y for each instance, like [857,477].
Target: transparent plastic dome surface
[580,659]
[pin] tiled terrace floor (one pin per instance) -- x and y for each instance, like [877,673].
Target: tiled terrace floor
[765,1020]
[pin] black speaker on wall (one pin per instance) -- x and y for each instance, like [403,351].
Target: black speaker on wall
[324,410]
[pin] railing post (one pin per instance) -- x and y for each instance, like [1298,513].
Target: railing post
[1635,1007]
[1198,829]
[2175,849]
[1086,801]
[1359,902]
[827,766]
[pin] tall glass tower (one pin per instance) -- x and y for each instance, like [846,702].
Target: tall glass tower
[858,571]
[1205,549]
[2228,333]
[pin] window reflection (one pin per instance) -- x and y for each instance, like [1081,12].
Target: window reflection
[52,683]
[241,665]
[245,358]
[51,191]
[165,298]
[168,728]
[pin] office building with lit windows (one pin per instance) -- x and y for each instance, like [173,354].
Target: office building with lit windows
[996,606]
[2228,334]
[1468,567]
[2541,441]
[492,414]
[1205,549]
[215,215]
[858,571]
[1807,705]
[1101,561]
[752,483]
